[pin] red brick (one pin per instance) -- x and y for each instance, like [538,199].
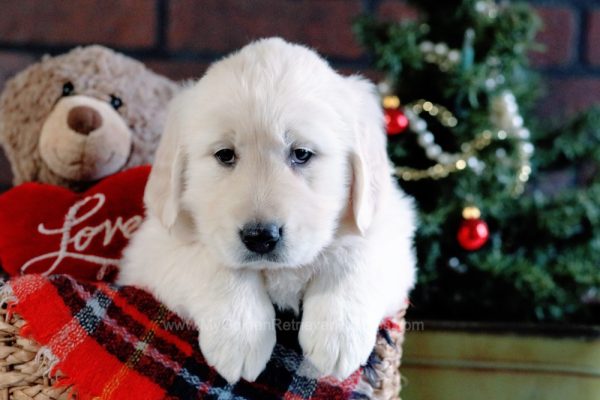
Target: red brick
[178,70]
[225,25]
[565,97]
[128,23]
[593,37]
[395,10]
[182,70]
[557,35]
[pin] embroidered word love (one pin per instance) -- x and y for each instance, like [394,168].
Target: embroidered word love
[73,244]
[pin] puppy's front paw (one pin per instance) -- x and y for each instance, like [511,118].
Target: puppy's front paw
[336,340]
[238,347]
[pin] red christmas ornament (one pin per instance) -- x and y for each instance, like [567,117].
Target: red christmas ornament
[395,121]
[473,232]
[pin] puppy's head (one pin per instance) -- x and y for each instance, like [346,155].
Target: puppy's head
[270,157]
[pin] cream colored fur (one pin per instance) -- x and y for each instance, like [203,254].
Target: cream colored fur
[346,259]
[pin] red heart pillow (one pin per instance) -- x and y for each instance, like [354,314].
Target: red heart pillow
[50,230]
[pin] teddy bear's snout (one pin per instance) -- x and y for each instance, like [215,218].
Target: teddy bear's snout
[84,139]
[84,119]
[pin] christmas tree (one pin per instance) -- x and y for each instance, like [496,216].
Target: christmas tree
[459,97]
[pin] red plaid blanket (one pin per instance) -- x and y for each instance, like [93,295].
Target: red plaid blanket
[119,343]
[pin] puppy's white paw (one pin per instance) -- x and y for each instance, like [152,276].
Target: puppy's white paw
[337,341]
[238,347]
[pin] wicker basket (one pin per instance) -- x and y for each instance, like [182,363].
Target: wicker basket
[22,374]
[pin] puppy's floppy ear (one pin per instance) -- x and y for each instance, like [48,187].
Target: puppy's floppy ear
[370,166]
[166,181]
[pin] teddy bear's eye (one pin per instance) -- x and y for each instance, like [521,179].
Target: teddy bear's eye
[68,89]
[116,102]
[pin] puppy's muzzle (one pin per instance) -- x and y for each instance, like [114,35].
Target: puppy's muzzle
[261,238]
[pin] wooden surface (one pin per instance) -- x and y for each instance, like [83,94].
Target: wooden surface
[472,366]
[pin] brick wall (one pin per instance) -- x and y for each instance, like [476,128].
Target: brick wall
[179,38]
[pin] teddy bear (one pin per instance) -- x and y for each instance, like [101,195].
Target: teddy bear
[76,118]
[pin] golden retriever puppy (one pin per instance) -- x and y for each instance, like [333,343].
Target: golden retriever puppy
[272,186]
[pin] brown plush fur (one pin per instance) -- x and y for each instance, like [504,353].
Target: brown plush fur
[31,97]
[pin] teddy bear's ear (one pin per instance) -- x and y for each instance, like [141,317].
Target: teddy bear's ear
[166,182]
[3,89]
[2,124]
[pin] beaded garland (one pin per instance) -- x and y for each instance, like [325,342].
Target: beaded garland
[507,122]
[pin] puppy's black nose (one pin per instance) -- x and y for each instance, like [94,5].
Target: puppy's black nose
[260,238]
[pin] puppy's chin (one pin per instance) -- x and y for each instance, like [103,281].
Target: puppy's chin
[239,258]
[265,263]
[274,260]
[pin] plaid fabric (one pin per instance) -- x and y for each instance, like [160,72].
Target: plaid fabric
[119,343]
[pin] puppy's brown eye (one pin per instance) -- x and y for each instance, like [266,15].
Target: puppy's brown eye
[301,156]
[226,156]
